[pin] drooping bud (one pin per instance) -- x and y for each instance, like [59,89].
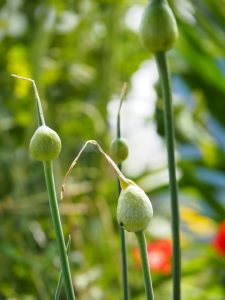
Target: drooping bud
[134,210]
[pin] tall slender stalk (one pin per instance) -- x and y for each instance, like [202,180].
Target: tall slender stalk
[122,231]
[170,138]
[145,265]
[48,170]
[49,178]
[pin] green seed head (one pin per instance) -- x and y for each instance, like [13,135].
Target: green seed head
[119,150]
[158,30]
[134,210]
[45,144]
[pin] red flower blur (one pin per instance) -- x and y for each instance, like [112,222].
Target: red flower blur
[219,240]
[159,255]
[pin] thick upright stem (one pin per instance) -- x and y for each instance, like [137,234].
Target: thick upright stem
[48,170]
[169,129]
[145,265]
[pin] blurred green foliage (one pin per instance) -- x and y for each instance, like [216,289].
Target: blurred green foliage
[79,53]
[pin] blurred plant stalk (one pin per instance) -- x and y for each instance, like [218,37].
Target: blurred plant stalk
[170,139]
[53,202]
[145,265]
[122,231]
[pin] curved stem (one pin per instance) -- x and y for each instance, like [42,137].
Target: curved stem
[169,129]
[124,182]
[48,170]
[41,119]
[145,265]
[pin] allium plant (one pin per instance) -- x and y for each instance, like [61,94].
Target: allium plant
[158,33]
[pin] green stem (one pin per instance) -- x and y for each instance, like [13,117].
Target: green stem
[122,231]
[41,118]
[123,255]
[60,280]
[145,265]
[169,129]
[48,170]
[124,264]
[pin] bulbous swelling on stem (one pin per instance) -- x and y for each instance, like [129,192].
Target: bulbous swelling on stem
[158,30]
[134,210]
[45,144]
[119,150]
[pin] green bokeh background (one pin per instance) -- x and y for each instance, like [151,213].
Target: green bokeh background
[80,53]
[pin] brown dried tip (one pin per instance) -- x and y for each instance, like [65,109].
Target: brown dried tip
[124,182]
